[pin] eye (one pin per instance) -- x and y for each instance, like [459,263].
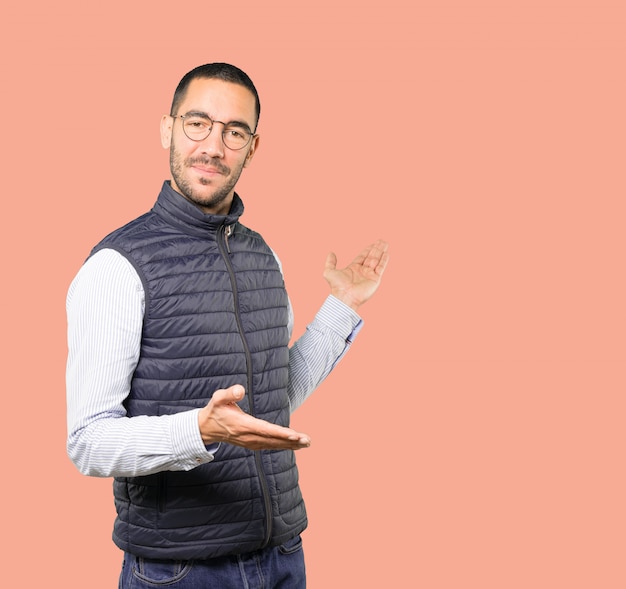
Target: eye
[235,133]
[197,124]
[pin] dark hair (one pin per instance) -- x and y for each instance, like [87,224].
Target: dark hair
[219,71]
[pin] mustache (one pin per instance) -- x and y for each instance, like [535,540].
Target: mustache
[208,161]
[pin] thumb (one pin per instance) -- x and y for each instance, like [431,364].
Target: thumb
[229,396]
[236,392]
[331,262]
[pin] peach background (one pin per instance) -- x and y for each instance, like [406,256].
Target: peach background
[474,436]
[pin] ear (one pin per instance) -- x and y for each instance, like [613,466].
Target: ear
[166,131]
[254,143]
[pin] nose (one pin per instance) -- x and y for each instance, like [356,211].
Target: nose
[213,145]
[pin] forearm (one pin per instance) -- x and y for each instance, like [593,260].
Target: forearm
[122,446]
[314,355]
[105,315]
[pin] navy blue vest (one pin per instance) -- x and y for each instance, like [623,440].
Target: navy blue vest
[216,315]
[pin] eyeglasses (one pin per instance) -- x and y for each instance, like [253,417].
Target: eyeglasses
[199,126]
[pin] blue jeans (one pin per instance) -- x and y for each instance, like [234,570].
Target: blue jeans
[272,568]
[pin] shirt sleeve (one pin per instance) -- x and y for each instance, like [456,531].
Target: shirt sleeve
[325,341]
[105,308]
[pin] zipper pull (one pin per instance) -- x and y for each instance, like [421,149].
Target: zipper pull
[227,233]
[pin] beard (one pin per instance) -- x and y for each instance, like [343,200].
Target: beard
[208,200]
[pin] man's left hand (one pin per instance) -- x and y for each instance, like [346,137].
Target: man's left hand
[358,281]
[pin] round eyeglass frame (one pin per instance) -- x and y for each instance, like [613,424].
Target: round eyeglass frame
[183,117]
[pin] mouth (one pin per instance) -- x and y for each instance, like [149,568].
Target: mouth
[206,170]
[208,167]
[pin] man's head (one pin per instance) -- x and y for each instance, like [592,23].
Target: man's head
[210,132]
[217,71]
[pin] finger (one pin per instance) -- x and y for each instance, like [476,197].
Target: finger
[292,441]
[271,444]
[377,256]
[382,263]
[370,253]
[257,434]
[382,245]
[270,430]
[378,249]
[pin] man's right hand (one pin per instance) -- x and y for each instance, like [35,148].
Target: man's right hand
[222,420]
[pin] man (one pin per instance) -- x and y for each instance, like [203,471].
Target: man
[180,381]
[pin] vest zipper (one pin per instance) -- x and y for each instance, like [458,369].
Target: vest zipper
[222,241]
[162,490]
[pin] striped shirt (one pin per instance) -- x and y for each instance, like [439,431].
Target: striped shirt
[105,309]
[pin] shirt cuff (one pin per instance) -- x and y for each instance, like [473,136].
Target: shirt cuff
[340,318]
[189,448]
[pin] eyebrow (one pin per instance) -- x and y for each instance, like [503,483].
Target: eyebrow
[199,113]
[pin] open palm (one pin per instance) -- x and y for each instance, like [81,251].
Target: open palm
[358,281]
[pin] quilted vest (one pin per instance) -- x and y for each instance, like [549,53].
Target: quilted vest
[215,315]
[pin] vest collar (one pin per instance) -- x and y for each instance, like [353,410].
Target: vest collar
[177,210]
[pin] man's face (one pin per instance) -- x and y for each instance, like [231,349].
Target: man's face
[205,172]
